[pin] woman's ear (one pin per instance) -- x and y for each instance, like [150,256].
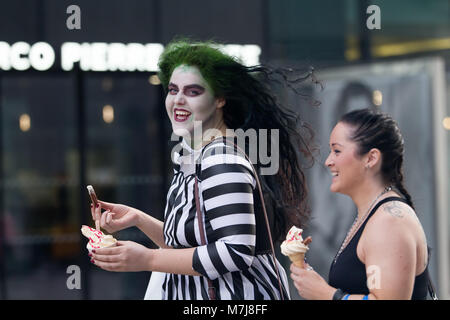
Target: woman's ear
[220,102]
[373,158]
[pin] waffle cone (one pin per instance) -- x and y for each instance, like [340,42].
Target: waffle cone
[298,259]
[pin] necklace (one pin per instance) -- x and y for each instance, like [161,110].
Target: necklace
[357,223]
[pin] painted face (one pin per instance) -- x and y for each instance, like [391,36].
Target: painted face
[190,99]
[343,161]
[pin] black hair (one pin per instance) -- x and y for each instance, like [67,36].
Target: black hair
[251,104]
[374,129]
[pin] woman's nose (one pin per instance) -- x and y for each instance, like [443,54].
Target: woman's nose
[328,161]
[179,98]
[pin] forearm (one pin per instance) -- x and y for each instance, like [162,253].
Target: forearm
[152,227]
[177,261]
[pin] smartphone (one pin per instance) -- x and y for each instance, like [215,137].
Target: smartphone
[94,201]
[92,195]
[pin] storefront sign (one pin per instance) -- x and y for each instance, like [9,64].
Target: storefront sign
[100,56]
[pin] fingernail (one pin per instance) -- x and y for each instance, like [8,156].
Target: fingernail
[92,205]
[92,261]
[93,251]
[90,254]
[97,205]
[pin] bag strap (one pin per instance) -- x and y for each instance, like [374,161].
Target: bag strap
[266,218]
[263,205]
[211,289]
[431,289]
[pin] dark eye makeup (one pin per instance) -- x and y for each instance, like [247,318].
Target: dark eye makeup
[191,90]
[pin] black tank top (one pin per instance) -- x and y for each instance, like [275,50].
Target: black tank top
[348,273]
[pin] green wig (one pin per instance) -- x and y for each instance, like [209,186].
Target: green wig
[204,55]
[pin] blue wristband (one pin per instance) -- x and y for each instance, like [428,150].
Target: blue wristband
[366,297]
[346,297]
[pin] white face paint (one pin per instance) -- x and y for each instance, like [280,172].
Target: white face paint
[190,99]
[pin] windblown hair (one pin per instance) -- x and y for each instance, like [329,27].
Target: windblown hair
[250,104]
[373,129]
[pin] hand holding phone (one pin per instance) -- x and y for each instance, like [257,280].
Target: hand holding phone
[94,200]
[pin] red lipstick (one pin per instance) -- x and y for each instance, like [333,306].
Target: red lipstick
[181,115]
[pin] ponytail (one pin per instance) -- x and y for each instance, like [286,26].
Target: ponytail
[398,181]
[399,186]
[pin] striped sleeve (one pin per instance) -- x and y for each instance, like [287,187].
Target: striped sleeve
[227,185]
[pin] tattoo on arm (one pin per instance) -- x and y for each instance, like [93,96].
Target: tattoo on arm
[394,209]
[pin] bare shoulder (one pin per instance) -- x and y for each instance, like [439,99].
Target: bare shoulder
[391,219]
[395,228]
[397,209]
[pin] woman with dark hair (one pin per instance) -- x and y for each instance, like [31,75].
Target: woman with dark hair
[214,243]
[385,253]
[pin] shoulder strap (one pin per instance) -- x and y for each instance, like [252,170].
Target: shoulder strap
[379,204]
[202,230]
[211,289]
[383,201]
[431,289]
[266,218]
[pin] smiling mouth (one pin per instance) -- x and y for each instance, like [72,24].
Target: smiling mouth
[181,115]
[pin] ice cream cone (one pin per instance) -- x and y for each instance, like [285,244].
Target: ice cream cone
[295,247]
[298,259]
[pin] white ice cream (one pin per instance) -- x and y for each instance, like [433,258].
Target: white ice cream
[294,242]
[97,239]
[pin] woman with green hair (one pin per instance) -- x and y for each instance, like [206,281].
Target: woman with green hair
[215,241]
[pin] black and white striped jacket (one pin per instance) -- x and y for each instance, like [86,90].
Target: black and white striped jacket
[226,191]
